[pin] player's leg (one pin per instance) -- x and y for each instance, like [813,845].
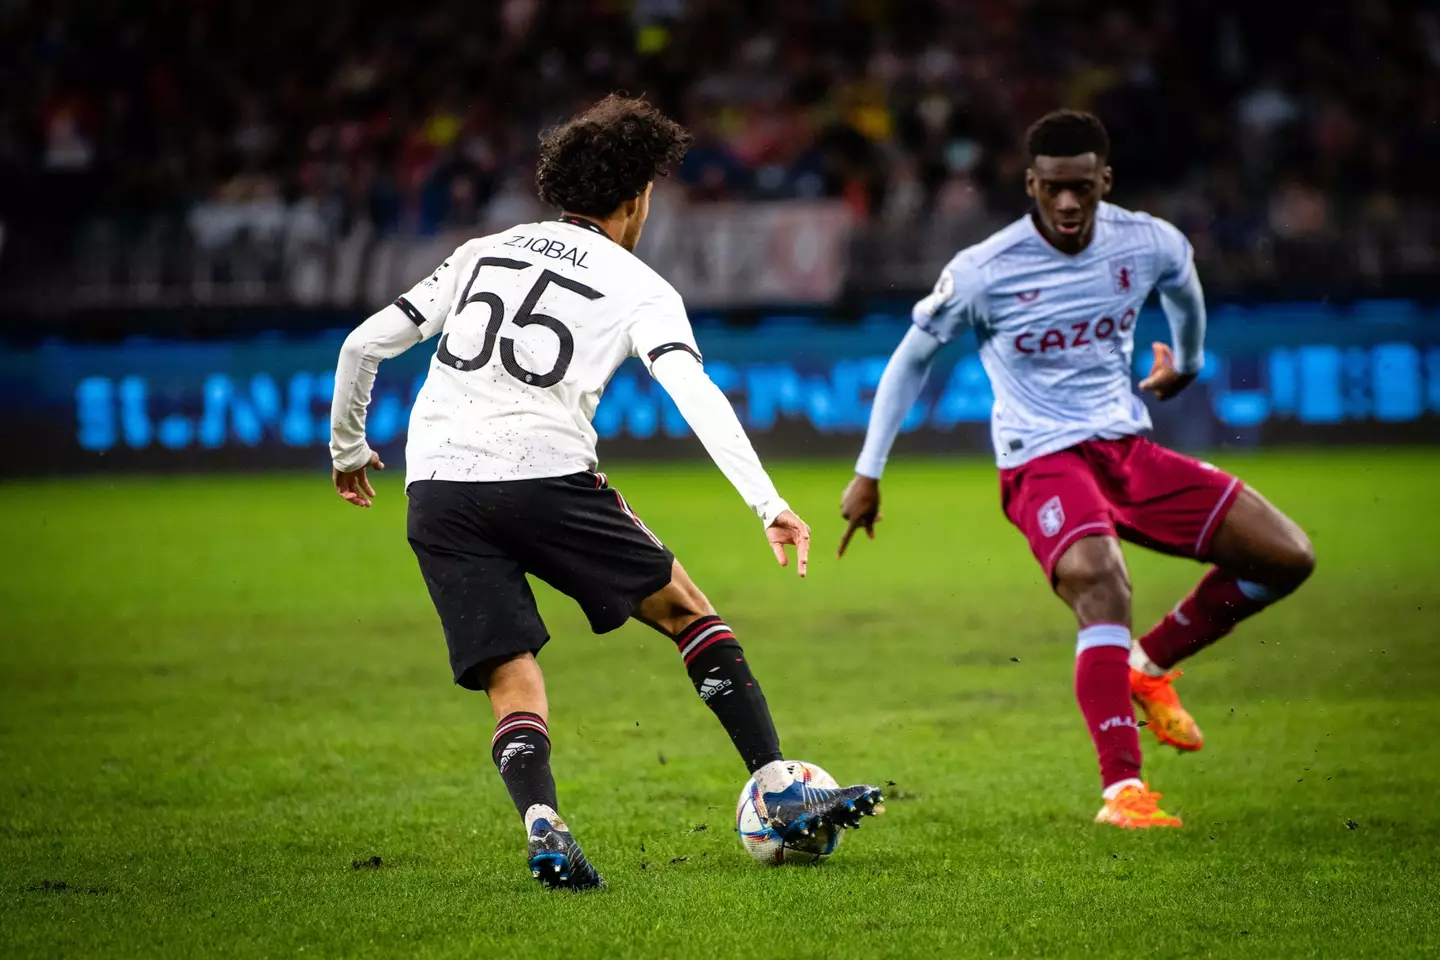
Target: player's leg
[520,746]
[1259,556]
[493,630]
[1057,502]
[583,538]
[1092,578]
[1188,508]
[722,677]
[520,749]
[718,670]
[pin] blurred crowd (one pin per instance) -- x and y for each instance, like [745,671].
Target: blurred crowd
[285,118]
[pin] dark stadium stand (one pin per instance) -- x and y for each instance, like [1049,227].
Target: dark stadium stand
[181,156]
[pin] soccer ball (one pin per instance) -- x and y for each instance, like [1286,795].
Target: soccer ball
[765,844]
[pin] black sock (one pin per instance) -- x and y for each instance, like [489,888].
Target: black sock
[521,751]
[723,679]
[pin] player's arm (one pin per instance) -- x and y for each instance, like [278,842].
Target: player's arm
[1183,300]
[899,388]
[936,319]
[661,337]
[416,316]
[708,412]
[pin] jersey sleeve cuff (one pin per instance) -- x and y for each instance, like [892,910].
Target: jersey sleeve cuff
[348,462]
[1190,365]
[867,468]
[773,509]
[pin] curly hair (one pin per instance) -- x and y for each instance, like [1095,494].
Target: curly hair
[1067,133]
[606,155]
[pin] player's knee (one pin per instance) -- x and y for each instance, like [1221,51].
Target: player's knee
[1108,584]
[1295,562]
[1096,583]
[500,677]
[677,606]
[690,605]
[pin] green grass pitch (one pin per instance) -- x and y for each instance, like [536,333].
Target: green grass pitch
[219,695]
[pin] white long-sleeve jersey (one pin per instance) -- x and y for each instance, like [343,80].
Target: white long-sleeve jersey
[1056,332]
[533,323]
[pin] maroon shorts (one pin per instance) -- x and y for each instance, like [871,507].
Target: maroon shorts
[1128,488]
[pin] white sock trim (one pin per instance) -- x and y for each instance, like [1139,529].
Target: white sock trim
[1102,635]
[1140,660]
[542,811]
[1256,591]
[774,777]
[1111,791]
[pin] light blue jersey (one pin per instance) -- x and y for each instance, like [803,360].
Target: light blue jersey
[1057,331]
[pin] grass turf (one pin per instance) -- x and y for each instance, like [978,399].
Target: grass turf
[219,696]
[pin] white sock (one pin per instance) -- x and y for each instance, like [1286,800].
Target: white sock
[540,811]
[774,777]
[1140,660]
[1117,786]
[1102,635]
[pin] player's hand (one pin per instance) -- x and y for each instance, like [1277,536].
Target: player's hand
[789,528]
[1164,380]
[353,486]
[860,504]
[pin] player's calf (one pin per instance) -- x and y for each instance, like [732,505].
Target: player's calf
[1260,556]
[520,749]
[1213,609]
[721,675]
[1091,577]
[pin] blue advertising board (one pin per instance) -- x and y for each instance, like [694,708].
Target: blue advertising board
[1309,373]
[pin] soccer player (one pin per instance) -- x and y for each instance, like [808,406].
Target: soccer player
[500,464]
[1053,299]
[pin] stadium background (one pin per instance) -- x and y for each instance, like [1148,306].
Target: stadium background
[198,200]
[194,215]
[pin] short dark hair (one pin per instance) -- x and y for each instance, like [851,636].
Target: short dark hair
[1067,133]
[602,157]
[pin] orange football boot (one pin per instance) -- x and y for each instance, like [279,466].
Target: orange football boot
[1171,722]
[1135,808]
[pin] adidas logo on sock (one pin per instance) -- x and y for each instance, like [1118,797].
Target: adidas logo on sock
[512,750]
[712,686]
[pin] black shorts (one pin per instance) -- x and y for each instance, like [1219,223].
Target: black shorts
[477,541]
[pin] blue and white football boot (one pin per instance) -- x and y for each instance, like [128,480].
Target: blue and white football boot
[799,810]
[557,861]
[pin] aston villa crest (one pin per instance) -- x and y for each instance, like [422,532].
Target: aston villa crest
[1051,517]
[1122,271]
